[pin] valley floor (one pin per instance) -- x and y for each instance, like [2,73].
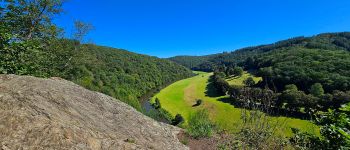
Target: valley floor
[180,98]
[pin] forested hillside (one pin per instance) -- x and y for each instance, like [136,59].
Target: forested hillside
[123,74]
[191,61]
[327,41]
[303,61]
[30,45]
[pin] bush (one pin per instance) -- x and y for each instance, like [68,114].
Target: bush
[198,102]
[177,120]
[238,71]
[335,131]
[249,81]
[199,124]
[157,104]
[304,140]
[317,90]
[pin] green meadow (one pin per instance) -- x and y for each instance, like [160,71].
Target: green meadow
[238,80]
[179,98]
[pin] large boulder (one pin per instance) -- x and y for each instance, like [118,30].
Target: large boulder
[54,113]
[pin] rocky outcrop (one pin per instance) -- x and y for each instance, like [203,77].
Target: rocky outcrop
[57,114]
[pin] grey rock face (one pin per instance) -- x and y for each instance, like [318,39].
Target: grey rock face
[57,114]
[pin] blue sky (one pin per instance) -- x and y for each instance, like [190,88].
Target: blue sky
[167,28]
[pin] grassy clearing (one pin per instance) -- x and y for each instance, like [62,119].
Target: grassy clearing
[179,98]
[238,80]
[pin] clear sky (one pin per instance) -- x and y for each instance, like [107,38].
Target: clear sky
[167,28]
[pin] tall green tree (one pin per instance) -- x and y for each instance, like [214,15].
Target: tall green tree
[317,90]
[238,71]
[29,19]
[249,81]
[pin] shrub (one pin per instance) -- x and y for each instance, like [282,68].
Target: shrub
[304,140]
[199,124]
[249,81]
[157,104]
[177,120]
[335,131]
[317,90]
[238,71]
[198,102]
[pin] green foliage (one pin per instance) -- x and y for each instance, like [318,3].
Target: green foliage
[31,19]
[160,115]
[304,140]
[294,100]
[178,120]
[335,131]
[190,61]
[123,74]
[336,128]
[317,90]
[237,71]
[157,104]
[221,86]
[199,124]
[249,81]
[291,87]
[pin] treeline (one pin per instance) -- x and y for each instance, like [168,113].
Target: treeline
[30,45]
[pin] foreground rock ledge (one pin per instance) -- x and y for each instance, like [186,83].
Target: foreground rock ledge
[57,114]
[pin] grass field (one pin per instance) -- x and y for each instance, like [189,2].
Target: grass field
[238,80]
[179,98]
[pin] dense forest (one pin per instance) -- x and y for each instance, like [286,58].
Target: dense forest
[30,44]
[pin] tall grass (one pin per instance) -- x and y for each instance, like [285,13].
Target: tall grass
[199,125]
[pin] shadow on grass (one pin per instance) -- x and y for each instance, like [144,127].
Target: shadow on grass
[195,105]
[271,111]
[227,100]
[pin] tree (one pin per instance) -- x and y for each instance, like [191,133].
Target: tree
[291,87]
[222,86]
[31,18]
[238,71]
[220,74]
[81,30]
[340,98]
[292,97]
[317,90]
[27,32]
[229,71]
[177,120]
[234,91]
[249,81]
